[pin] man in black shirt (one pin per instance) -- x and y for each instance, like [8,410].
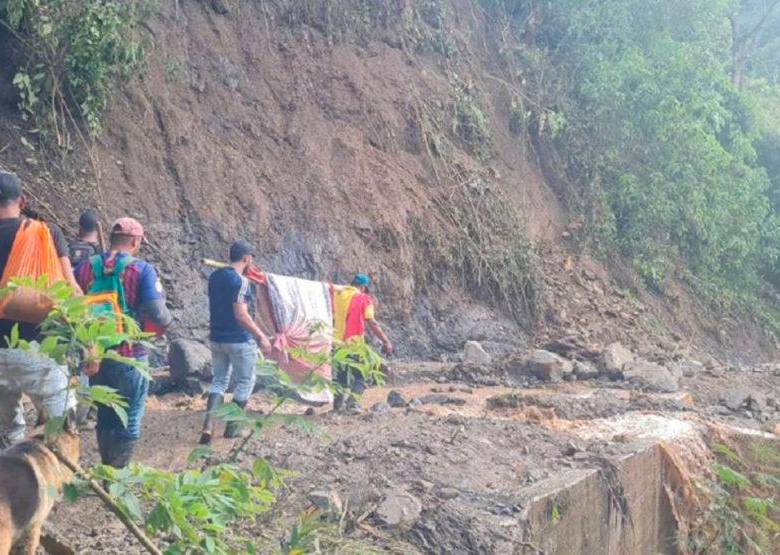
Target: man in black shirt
[87,243]
[26,372]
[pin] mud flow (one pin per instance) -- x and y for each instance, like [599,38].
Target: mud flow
[433,465]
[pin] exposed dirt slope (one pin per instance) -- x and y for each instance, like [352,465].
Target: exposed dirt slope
[331,142]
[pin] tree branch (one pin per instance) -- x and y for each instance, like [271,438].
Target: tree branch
[109,503]
[757,28]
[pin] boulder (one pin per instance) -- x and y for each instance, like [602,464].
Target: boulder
[585,370]
[447,493]
[474,353]
[757,403]
[399,509]
[327,501]
[380,408]
[395,399]
[188,359]
[543,365]
[615,358]
[651,376]
[687,367]
[736,399]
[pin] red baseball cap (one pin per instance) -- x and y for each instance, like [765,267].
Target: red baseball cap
[127,226]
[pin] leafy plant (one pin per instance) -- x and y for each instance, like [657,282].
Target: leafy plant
[72,336]
[730,477]
[303,537]
[194,509]
[359,357]
[74,55]
[728,453]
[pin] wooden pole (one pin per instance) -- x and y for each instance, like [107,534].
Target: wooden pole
[101,237]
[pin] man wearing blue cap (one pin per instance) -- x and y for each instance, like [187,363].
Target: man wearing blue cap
[353,313]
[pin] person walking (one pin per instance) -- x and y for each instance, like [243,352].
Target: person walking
[140,296]
[354,312]
[86,244]
[234,336]
[26,372]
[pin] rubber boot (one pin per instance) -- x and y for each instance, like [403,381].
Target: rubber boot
[214,402]
[105,441]
[122,452]
[233,429]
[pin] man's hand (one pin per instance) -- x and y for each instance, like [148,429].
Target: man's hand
[387,348]
[265,345]
[91,361]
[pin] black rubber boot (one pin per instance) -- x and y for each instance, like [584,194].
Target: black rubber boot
[233,429]
[105,441]
[122,452]
[214,402]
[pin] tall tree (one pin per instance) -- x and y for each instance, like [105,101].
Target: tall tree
[754,23]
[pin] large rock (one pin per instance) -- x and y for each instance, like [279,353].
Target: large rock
[615,358]
[474,353]
[399,509]
[736,398]
[188,359]
[327,501]
[396,399]
[687,367]
[543,365]
[585,370]
[651,376]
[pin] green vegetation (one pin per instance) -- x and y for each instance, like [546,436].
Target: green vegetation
[72,335]
[743,514]
[667,149]
[199,509]
[74,54]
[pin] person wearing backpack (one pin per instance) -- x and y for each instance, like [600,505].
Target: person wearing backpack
[37,376]
[139,295]
[86,244]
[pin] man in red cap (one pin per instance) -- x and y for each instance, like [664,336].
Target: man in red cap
[140,296]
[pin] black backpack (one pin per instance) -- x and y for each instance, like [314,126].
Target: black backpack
[79,251]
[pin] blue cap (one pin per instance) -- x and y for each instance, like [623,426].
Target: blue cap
[362,279]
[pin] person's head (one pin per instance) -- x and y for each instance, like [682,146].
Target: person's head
[241,253]
[362,282]
[88,224]
[11,198]
[127,234]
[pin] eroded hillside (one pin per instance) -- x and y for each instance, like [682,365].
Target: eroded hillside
[342,138]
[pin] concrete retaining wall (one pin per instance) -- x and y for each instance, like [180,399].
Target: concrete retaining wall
[621,509]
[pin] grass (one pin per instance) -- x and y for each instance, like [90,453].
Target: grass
[743,515]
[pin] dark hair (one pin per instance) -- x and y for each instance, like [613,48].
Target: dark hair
[88,221]
[10,188]
[239,250]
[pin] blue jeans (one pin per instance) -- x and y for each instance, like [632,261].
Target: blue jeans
[131,385]
[240,358]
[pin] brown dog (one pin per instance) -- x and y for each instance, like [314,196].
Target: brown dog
[31,476]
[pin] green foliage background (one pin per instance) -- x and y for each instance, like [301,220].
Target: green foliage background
[673,163]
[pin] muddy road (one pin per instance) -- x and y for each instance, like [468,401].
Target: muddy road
[458,469]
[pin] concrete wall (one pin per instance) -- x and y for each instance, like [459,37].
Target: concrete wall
[621,509]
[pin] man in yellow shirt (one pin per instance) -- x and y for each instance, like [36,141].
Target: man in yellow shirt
[353,313]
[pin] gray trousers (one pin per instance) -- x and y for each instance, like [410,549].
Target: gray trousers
[38,377]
